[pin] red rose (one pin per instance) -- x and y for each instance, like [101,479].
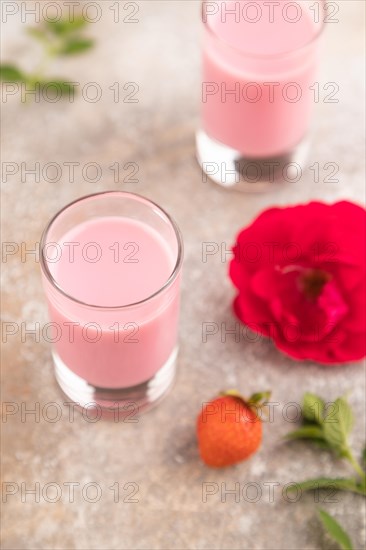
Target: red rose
[300,272]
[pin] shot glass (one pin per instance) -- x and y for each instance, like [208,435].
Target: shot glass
[111,269]
[259,66]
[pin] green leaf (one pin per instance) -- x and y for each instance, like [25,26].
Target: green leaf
[38,33]
[313,408]
[259,397]
[64,26]
[11,73]
[338,424]
[363,484]
[55,87]
[76,45]
[322,444]
[337,484]
[335,530]
[313,432]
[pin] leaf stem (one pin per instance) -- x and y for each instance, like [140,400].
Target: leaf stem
[356,465]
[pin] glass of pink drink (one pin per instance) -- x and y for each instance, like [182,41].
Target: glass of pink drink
[259,66]
[111,269]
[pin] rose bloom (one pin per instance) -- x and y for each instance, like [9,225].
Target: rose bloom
[300,275]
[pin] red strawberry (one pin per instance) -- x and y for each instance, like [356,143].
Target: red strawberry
[229,429]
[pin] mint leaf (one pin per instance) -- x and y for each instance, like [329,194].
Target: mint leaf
[337,484]
[57,38]
[65,26]
[312,432]
[338,424]
[38,33]
[11,73]
[322,444]
[76,45]
[313,408]
[58,86]
[335,530]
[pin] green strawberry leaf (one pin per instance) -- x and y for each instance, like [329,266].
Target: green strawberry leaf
[259,397]
[256,402]
[337,484]
[232,393]
[338,424]
[335,530]
[11,73]
[313,408]
[312,432]
[74,46]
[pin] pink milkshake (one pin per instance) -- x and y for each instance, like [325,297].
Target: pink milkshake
[111,269]
[259,63]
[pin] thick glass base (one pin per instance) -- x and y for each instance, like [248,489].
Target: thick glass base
[230,169]
[116,402]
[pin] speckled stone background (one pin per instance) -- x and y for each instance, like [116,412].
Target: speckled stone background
[157,456]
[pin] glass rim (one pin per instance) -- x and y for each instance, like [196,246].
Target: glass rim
[252,55]
[136,196]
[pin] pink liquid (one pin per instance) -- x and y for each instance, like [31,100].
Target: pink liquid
[128,262]
[267,115]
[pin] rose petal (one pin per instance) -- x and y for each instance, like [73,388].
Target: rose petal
[269,257]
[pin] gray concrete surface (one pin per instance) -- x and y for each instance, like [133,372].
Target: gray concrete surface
[159,453]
